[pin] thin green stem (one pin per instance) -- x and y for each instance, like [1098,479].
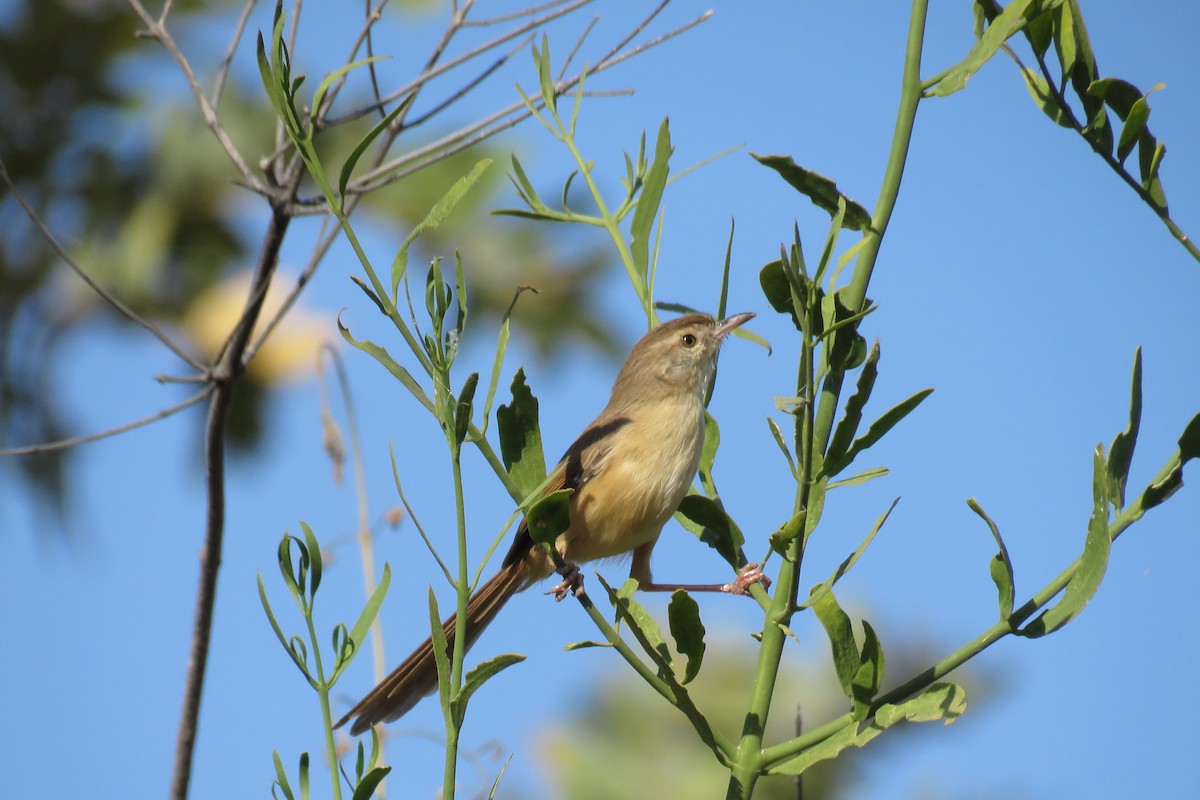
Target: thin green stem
[322,686]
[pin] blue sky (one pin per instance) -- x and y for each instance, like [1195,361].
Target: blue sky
[1017,278]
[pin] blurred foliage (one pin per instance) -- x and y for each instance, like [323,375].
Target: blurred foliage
[134,185]
[601,759]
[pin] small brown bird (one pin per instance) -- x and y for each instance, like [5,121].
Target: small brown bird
[630,469]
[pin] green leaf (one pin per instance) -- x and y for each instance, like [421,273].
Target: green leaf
[475,678]
[441,655]
[313,549]
[850,560]
[366,787]
[1008,22]
[713,526]
[550,516]
[1045,98]
[847,427]
[304,782]
[650,199]
[358,634]
[1170,478]
[299,662]
[822,191]
[462,412]
[941,701]
[1000,566]
[783,448]
[281,776]
[877,430]
[436,216]
[1134,129]
[1092,565]
[545,79]
[781,540]
[869,676]
[498,361]
[846,657]
[862,477]
[1120,453]
[352,160]
[383,357]
[778,290]
[708,454]
[642,625]
[687,629]
[586,644]
[521,437]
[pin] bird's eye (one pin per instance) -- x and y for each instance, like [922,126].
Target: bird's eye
[688,340]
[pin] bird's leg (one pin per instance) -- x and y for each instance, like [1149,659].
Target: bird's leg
[747,577]
[572,581]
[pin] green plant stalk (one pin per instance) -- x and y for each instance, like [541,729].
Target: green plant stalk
[322,687]
[777,754]
[462,591]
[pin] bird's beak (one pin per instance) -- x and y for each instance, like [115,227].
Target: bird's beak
[729,323]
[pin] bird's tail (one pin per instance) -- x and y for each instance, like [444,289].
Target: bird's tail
[417,676]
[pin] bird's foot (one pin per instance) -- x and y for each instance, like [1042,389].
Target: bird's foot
[747,577]
[572,582]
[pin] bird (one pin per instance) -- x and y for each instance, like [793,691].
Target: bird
[628,470]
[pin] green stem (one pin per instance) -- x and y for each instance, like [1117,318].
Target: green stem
[322,687]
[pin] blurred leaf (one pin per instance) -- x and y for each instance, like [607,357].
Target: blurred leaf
[1045,98]
[822,191]
[869,675]
[441,655]
[521,437]
[708,454]
[366,787]
[462,412]
[688,631]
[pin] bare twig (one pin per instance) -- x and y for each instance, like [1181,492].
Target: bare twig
[223,70]
[224,374]
[62,444]
[157,31]
[103,293]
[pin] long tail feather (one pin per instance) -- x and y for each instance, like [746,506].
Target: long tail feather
[416,677]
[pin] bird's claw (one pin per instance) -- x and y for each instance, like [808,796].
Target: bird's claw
[572,582]
[747,577]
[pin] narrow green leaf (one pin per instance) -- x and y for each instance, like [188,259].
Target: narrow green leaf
[262,596]
[778,290]
[783,448]
[358,634]
[846,657]
[521,437]
[462,412]
[847,427]
[328,80]
[1008,22]
[475,678]
[648,203]
[716,528]
[383,357]
[356,154]
[781,540]
[822,191]
[687,629]
[1093,563]
[880,427]
[1000,567]
[850,560]
[1131,131]
[281,779]
[642,625]
[366,787]
[313,548]
[1170,478]
[1120,453]
[869,676]
[441,653]
[436,216]
[708,454]
[498,360]
[550,516]
[304,782]
[546,80]
[586,644]
[862,477]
